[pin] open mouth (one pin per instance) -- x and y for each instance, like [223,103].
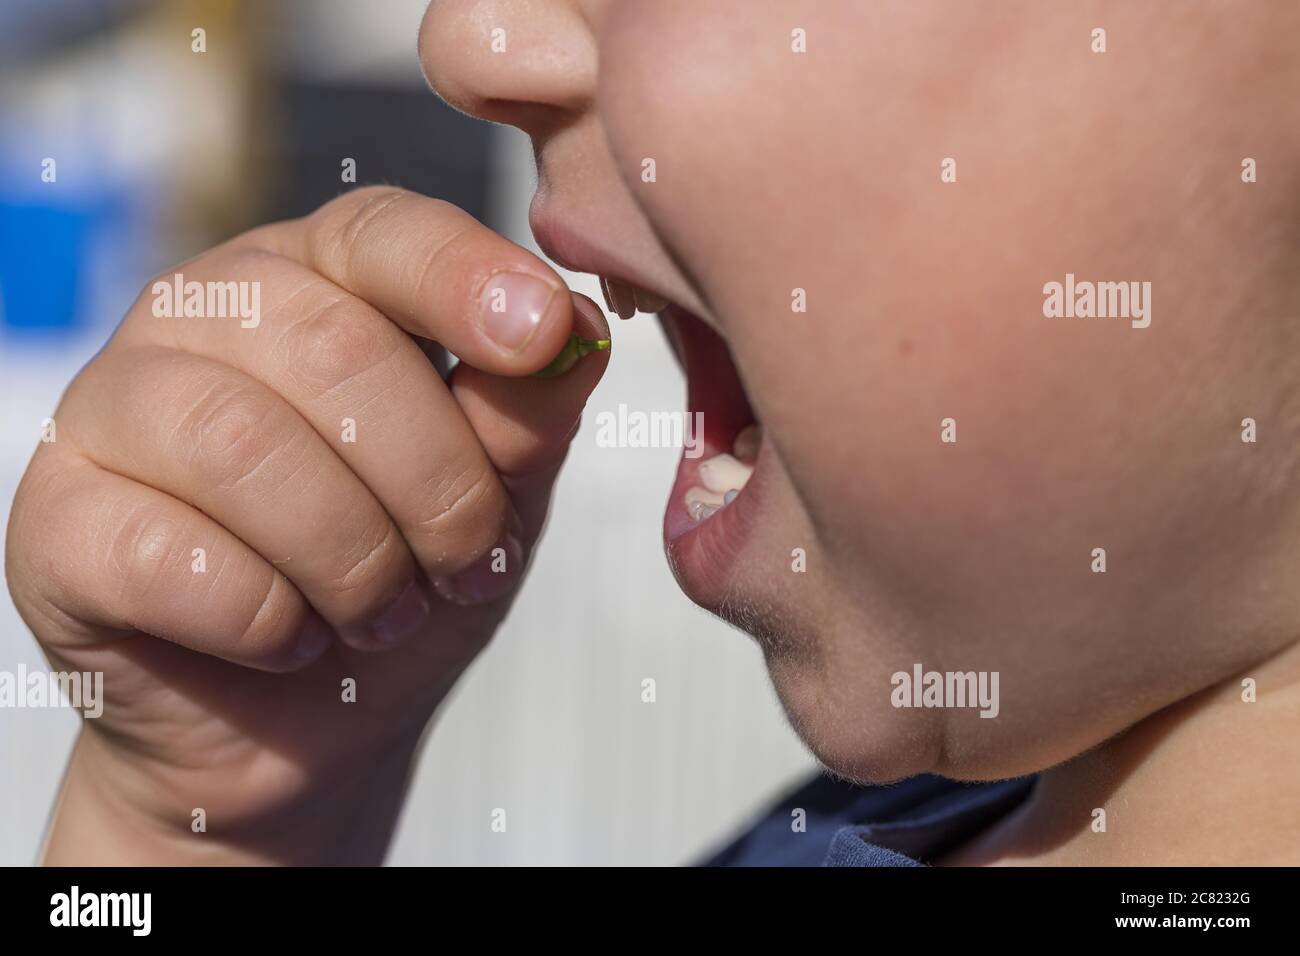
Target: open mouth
[717,490]
[726,441]
[715,495]
[712,480]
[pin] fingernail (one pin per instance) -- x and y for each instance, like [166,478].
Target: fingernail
[513,305]
[313,640]
[404,617]
[488,578]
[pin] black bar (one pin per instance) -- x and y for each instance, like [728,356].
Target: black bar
[857,907]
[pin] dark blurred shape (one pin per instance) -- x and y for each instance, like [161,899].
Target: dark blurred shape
[398,136]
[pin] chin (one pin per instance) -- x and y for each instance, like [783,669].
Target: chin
[855,742]
[857,734]
[835,693]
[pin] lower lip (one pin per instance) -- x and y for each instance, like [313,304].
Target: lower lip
[703,556]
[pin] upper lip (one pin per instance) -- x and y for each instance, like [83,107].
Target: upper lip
[570,248]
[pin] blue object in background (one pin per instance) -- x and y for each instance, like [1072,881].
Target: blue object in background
[71,261]
[73,251]
[41,253]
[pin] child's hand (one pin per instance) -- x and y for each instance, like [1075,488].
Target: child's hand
[245,523]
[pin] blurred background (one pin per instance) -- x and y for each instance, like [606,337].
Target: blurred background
[160,152]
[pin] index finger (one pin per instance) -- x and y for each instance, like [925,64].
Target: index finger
[437,272]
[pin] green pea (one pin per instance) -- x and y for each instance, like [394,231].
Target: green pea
[573,350]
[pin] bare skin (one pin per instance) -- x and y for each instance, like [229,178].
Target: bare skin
[1207,781]
[384,563]
[821,170]
[780,169]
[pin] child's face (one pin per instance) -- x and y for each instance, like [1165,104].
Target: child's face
[822,171]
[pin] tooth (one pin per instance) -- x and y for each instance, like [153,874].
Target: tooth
[722,473]
[648,302]
[619,297]
[695,494]
[701,502]
[699,511]
[730,496]
[745,447]
[604,290]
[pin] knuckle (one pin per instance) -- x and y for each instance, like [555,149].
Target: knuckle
[31,522]
[367,570]
[243,261]
[148,547]
[470,511]
[142,310]
[233,431]
[355,199]
[52,576]
[349,216]
[447,256]
[149,291]
[337,341]
[226,262]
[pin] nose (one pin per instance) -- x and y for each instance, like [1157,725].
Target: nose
[529,64]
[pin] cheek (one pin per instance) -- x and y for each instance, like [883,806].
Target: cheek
[924,302]
[820,172]
[801,191]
